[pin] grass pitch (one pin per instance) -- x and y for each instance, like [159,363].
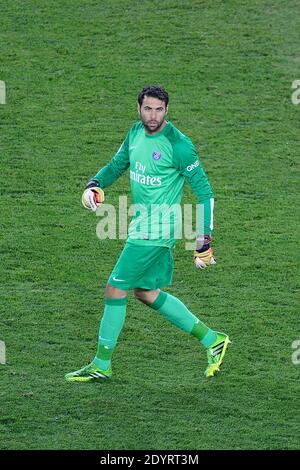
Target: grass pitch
[72,72]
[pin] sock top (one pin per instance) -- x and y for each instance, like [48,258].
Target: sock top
[110,301]
[160,300]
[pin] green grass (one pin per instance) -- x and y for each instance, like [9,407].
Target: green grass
[73,70]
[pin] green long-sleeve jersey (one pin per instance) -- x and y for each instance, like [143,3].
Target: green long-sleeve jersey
[159,164]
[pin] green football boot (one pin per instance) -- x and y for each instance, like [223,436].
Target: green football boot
[89,373]
[215,354]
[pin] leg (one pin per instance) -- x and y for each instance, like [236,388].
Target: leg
[130,269]
[177,313]
[115,293]
[146,296]
[110,327]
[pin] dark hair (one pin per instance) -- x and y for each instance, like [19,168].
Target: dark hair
[155,91]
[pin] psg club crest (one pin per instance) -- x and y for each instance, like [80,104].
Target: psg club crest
[156,155]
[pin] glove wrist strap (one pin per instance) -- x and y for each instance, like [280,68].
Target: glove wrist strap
[92,184]
[203,243]
[204,248]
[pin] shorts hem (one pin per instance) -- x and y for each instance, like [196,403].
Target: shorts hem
[138,286]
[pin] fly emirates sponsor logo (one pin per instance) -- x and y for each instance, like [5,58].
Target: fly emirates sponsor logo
[138,175]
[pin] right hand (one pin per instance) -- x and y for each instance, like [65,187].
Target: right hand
[92,198]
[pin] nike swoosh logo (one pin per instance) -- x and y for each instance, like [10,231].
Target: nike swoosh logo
[132,147]
[121,280]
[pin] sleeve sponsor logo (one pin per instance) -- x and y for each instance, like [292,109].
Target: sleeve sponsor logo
[193,165]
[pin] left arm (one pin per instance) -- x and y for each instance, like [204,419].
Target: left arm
[187,162]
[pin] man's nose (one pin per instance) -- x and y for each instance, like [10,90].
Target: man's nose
[153,114]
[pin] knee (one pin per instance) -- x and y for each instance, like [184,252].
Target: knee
[146,296]
[115,293]
[139,294]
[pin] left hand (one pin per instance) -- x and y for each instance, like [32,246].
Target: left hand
[204,259]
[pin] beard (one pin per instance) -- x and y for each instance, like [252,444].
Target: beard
[152,126]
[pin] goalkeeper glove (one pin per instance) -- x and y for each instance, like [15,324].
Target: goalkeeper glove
[92,196]
[204,256]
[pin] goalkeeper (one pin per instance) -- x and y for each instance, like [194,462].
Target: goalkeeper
[160,159]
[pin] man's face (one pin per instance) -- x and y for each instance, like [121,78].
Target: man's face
[152,113]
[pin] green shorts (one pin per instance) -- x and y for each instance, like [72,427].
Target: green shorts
[144,267]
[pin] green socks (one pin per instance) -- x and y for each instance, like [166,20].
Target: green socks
[206,336]
[110,327]
[178,314]
[167,305]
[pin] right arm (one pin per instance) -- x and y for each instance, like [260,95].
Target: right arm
[93,194]
[114,169]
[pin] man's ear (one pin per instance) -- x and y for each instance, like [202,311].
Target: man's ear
[139,109]
[167,109]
